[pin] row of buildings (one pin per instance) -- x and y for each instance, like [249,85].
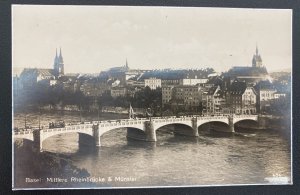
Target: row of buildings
[240,90]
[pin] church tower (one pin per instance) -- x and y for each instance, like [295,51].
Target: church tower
[256,60]
[58,64]
[126,67]
[55,66]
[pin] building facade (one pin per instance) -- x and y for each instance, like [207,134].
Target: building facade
[153,83]
[187,97]
[192,81]
[265,95]
[167,93]
[213,101]
[242,98]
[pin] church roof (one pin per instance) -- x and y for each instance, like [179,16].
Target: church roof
[247,71]
[36,72]
[45,72]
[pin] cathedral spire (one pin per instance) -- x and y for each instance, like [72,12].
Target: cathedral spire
[56,58]
[60,55]
[256,50]
[58,64]
[60,58]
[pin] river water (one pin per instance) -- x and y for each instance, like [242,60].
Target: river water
[263,157]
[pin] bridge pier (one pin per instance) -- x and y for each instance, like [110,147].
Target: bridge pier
[195,127]
[96,134]
[231,124]
[150,132]
[37,140]
[262,122]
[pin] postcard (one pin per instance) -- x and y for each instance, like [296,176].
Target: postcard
[150,96]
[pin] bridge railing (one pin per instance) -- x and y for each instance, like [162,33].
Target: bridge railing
[172,119]
[121,123]
[212,117]
[23,132]
[245,116]
[69,128]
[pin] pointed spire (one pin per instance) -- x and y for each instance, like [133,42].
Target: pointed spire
[60,52]
[60,58]
[256,49]
[126,63]
[56,58]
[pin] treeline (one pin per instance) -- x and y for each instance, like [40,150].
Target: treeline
[145,98]
[42,95]
[55,95]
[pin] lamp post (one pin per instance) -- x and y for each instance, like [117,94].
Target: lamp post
[39,118]
[149,112]
[206,104]
[98,114]
[25,121]
[80,112]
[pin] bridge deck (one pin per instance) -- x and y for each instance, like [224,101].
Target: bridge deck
[136,121]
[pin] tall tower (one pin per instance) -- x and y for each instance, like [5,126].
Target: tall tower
[55,65]
[61,68]
[256,60]
[126,66]
[58,64]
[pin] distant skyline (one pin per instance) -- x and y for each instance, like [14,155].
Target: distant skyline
[96,38]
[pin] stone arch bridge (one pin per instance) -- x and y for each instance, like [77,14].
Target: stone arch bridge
[147,126]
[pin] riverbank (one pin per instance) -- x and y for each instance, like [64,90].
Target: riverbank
[38,169]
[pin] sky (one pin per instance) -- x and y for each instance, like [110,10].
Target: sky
[96,38]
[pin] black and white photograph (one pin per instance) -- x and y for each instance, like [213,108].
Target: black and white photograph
[150,96]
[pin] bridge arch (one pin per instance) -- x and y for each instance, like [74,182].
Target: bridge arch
[20,142]
[245,124]
[23,136]
[16,139]
[157,127]
[178,128]
[238,118]
[81,139]
[103,130]
[245,119]
[215,125]
[136,134]
[45,134]
[161,123]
